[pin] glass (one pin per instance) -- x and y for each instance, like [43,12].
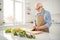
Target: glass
[18,12]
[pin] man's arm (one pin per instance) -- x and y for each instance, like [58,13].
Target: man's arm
[47,20]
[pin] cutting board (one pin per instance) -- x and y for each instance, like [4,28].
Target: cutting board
[35,32]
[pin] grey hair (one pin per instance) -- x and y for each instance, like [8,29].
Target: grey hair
[38,3]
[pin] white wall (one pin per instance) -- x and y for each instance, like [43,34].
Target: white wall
[1,12]
[51,5]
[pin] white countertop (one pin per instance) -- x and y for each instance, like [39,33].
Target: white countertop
[53,35]
[44,36]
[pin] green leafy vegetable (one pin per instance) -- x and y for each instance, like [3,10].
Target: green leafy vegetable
[8,30]
[14,31]
[22,33]
[30,36]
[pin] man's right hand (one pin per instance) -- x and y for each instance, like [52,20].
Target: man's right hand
[35,28]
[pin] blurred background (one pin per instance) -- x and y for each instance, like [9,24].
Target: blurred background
[16,12]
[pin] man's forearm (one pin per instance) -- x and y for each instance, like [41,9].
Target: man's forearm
[43,27]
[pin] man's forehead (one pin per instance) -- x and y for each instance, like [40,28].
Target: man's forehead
[38,4]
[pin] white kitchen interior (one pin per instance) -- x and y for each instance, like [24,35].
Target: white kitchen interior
[20,13]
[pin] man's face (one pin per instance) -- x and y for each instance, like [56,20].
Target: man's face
[38,7]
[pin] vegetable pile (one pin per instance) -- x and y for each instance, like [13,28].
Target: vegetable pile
[19,32]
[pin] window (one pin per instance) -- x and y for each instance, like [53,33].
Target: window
[8,11]
[13,11]
[18,12]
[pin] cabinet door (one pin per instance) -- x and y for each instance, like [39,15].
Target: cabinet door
[1,12]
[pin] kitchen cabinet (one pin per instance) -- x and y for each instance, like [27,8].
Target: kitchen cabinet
[1,12]
[55,31]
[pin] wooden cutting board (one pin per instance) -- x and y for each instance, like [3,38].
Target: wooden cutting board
[35,32]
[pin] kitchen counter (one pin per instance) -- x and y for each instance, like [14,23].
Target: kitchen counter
[43,36]
[11,37]
[53,35]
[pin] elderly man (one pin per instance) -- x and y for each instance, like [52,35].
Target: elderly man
[42,19]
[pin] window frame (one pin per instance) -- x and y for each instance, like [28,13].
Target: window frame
[14,1]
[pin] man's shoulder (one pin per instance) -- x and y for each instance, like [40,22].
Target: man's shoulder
[47,12]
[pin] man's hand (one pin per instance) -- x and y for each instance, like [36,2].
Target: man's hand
[36,28]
